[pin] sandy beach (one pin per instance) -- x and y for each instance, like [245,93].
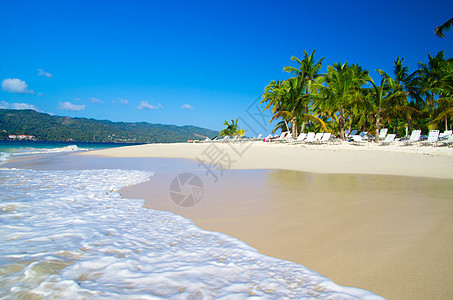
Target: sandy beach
[378,218]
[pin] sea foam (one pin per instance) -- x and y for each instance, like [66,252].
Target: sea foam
[32,150]
[69,234]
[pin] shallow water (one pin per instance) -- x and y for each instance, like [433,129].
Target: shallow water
[68,234]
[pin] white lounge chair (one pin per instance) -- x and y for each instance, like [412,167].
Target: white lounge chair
[288,138]
[300,138]
[358,140]
[224,140]
[267,138]
[325,138]
[346,133]
[318,136]
[383,133]
[351,134]
[281,137]
[445,135]
[390,138]
[310,137]
[446,142]
[433,137]
[363,134]
[414,138]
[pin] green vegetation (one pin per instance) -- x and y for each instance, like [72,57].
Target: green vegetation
[55,128]
[346,97]
[232,129]
[439,31]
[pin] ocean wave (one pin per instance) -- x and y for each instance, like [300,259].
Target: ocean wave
[4,157]
[30,151]
[69,234]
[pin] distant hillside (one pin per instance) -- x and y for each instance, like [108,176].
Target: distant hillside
[55,128]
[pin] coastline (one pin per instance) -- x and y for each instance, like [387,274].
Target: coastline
[430,162]
[374,243]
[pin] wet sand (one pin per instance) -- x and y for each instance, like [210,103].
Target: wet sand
[387,230]
[387,234]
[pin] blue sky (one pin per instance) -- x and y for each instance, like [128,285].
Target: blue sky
[194,62]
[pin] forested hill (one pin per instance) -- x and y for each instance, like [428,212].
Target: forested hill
[56,128]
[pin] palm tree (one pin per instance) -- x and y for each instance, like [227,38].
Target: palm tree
[308,69]
[398,89]
[295,103]
[378,103]
[343,90]
[232,129]
[430,83]
[443,106]
[274,97]
[439,31]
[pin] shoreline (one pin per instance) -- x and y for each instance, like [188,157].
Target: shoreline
[378,243]
[411,161]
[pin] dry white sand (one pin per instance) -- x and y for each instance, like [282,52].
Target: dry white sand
[388,234]
[433,162]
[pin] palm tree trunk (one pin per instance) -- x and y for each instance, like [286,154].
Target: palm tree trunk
[286,123]
[293,127]
[377,126]
[446,124]
[396,125]
[303,123]
[341,122]
[409,123]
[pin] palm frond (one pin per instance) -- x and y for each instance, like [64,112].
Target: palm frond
[439,30]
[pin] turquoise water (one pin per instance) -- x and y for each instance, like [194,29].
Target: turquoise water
[19,146]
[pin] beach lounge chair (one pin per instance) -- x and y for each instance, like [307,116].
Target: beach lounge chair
[316,138]
[390,138]
[324,139]
[310,137]
[446,142]
[351,134]
[300,138]
[281,137]
[365,136]
[433,137]
[383,133]
[288,138]
[445,135]
[346,133]
[225,139]
[209,140]
[414,138]
[267,138]
[358,140]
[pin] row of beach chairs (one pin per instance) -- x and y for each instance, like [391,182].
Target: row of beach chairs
[435,138]
[306,138]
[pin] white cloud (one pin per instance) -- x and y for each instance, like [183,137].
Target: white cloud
[121,101]
[42,73]
[6,105]
[96,100]
[147,105]
[71,107]
[187,106]
[15,85]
